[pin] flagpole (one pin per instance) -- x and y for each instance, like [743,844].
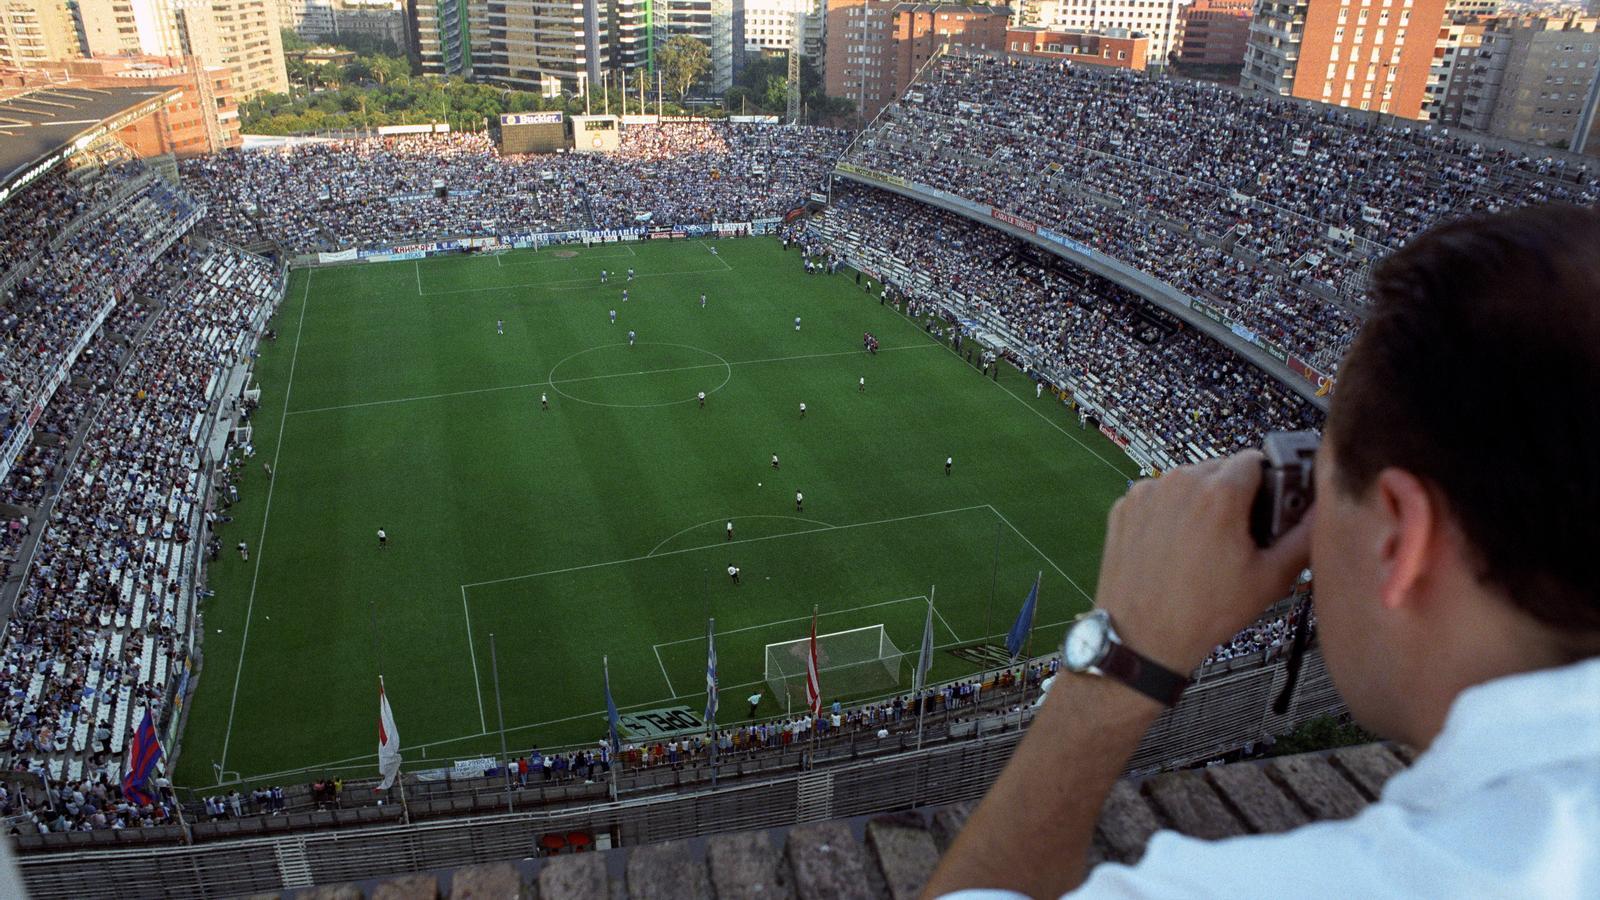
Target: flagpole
[816,666]
[1028,652]
[499,711]
[922,676]
[616,756]
[713,701]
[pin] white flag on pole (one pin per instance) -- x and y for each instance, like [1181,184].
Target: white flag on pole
[388,741]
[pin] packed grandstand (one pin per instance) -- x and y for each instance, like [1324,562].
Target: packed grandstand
[129,299]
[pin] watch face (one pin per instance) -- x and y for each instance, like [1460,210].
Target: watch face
[1085,641]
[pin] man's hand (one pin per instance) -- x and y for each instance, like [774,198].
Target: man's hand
[1180,572]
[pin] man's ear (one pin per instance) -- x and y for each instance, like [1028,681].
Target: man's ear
[1407,515]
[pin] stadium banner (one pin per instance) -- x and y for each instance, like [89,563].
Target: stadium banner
[1309,372]
[473,768]
[683,119]
[1114,436]
[413,248]
[660,723]
[1208,312]
[1276,352]
[377,257]
[695,231]
[534,118]
[408,198]
[819,197]
[1016,221]
[1244,332]
[755,120]
[765,226]
[1057,237]
[885,177]
[337,256]
[639,120]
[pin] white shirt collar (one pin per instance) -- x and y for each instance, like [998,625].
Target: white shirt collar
[1532,720]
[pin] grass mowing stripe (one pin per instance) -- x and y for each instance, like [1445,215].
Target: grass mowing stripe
[532,384]
[261,542]
[757,540]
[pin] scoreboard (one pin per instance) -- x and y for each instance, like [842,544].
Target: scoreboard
[533,132]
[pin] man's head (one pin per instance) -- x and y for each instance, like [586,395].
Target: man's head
[1459,482]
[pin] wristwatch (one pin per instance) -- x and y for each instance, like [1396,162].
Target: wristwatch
[1094,648]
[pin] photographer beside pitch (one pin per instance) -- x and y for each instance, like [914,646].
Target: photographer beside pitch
[1458,605]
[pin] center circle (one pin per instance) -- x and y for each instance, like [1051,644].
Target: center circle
[643,376]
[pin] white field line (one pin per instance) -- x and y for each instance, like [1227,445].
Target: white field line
[417,265]
[946,623]
[664,676]
[832,612]
[1042,556]
[715,256]
[266,512]
[1052,423]
[756,540]
[598,714]
[561,284]
[472,653]
[533,384]
[729,519]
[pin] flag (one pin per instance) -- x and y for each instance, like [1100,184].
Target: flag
[711,675]
[143,754]
[925,658]
[611,710]
[1024,623]
[388,741]
[813,688]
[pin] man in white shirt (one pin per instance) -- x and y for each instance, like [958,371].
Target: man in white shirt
[1457,607]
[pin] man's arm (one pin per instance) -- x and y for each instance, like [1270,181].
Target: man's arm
[1180,574]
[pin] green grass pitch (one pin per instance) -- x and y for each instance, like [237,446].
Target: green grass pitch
[596,528]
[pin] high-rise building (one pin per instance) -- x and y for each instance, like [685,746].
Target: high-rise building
[1454,56]
[1214,32]
[1079,47]
[1367,54]
[239,34]
[203,119]
[875,48]
[769,25]
[34,32]
[538,45]
[1534,79]
[716,23]
[1157,20]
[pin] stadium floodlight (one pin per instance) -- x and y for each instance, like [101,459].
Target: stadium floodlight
[850,663]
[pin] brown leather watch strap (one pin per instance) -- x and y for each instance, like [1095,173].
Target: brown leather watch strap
[1143,675]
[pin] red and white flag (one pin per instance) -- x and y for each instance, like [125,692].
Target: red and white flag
[813,688]
[388,741]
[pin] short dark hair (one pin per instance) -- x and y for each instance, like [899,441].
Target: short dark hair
[1478,370]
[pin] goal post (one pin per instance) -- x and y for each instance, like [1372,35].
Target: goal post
[849,663]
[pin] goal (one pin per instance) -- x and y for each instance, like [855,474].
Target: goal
[849,664]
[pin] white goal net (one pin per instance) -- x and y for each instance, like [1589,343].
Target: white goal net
[849,663]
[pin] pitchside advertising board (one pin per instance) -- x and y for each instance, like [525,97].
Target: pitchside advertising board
[536,132]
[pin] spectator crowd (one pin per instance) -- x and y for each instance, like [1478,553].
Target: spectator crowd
[1268,210]
[340,194]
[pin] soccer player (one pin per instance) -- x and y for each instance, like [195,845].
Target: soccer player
[383,539]
[754,700]
[544,402]
[730,529]
[1038,390]
[702,299]
[799,502]
[630,274]
[500,326]
[613,317]
[603,275]
[802,409]
[624,295]
[244,551]
[861,386]
[733,573]
[796,323]
[702,396]
[774,460]
[948,462]
[630,338]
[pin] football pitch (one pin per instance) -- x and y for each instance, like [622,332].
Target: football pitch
[596,528]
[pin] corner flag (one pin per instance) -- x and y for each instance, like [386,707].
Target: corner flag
[1024,623]
[143,754]
[388,741]
[813,687]
[711,675]
[611,710]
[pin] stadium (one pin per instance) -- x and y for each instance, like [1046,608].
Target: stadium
[736,476]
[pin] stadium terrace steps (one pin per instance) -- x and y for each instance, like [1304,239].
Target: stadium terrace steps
[892,856]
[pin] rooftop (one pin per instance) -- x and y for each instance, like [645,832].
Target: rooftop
[36,124]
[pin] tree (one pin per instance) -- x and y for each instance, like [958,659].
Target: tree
[684,61]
